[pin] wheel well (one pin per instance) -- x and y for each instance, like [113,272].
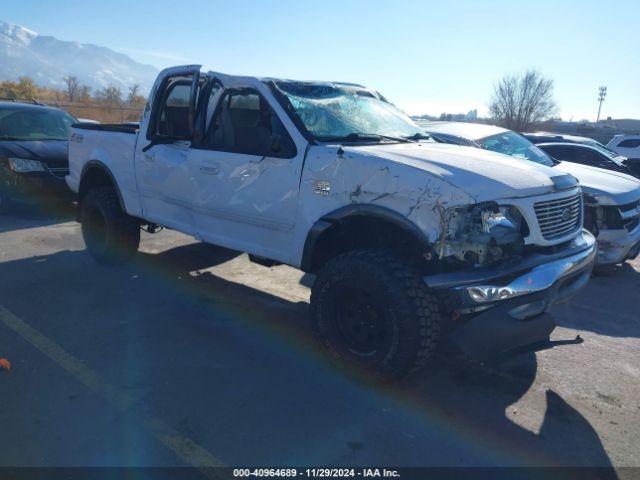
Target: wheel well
[334,238]
[97,175]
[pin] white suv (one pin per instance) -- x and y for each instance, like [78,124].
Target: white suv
[626,145]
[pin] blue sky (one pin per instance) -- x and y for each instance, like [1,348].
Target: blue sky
[427,57]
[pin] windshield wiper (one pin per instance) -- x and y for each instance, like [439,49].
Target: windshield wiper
[358,136]
[420,136]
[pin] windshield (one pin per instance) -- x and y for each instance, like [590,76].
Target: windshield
[34,124]
[334,112]
[514,145]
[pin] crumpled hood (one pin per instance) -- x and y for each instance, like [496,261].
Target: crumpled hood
[607,186]
[47,151]
[481,174]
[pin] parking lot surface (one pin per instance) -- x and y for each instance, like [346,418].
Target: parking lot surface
[192,355]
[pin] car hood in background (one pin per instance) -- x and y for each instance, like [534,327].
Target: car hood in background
[609,187]
[481,174]
[47,151]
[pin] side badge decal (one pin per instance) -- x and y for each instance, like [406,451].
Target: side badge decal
[321,187]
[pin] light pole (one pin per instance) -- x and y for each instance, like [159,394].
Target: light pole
[602,92]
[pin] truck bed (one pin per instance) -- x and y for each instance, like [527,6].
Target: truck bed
[129,127]
[109,145]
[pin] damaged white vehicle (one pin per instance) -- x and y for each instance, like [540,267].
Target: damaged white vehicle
[410,239]
[612,199]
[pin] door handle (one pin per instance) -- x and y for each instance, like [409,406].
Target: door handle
[149,157]
[210,169]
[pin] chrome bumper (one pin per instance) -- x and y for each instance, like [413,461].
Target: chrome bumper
[539,278]
[616,246]
[496,310]
[539,272]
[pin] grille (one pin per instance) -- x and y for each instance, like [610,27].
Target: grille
[59,171]
[558,218]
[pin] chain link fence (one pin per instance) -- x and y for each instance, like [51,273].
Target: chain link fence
[100,113]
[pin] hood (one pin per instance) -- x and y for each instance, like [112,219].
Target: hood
[481,174]
[607,186]
[47,151]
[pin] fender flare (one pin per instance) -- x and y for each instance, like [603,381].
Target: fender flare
[342,214]
[98,165]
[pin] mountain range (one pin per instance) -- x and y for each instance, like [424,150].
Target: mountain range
[47,60]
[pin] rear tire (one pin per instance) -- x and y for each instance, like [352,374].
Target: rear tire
[370,309]
[112,237]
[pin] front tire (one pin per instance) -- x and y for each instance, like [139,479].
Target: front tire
[370,309]
[112,237]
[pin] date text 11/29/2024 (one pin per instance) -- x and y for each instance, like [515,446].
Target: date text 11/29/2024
[317,472]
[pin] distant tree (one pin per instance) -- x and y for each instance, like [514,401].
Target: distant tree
[133,92]
[520,100]
[134,99]
[110,95]
[73,87]
[84,96]
[23,89]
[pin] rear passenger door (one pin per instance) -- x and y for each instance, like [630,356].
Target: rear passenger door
[248,175]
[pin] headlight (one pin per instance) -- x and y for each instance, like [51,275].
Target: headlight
[501,218]
[481,232]
[485,219]
[24,165]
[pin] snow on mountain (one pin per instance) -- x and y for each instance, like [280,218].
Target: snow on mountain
[47,60]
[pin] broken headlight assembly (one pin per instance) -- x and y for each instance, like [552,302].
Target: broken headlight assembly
[481,233]
[598,217]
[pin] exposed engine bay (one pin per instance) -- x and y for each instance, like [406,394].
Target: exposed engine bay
[481,233]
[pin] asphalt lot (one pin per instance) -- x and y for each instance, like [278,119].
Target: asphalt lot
[193,355]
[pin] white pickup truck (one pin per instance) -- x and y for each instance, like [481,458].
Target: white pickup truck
[410,239]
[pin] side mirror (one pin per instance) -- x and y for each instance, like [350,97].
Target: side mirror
[276,144]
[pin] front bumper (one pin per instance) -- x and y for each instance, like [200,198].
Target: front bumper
[32,187]
[501,309]
[616,246]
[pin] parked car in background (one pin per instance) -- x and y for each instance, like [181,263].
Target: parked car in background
[626,145]
[88,120]
[597,156]
[403,234]
[612,199]
[33,153]
[549,137]
[591,156]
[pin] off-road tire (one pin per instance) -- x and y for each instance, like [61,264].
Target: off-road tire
[112,237]
[408,308]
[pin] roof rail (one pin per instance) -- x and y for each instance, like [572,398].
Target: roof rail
[22,100]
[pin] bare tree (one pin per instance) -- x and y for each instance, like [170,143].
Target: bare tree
[111,95]
[521,100]
[84,95]
[133,93]
[73,87]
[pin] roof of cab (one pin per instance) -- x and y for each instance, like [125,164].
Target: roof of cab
[470,131]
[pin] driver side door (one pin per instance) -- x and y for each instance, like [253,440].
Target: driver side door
[166,180]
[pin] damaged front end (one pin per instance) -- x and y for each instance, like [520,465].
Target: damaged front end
[499,294]
[480,234]
[616,227]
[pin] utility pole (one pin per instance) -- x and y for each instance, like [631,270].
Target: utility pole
[602,92]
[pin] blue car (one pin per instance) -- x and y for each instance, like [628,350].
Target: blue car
[33,153]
